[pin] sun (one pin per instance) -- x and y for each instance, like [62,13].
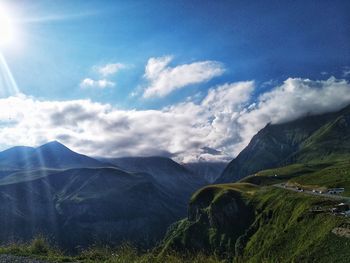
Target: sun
[7,30]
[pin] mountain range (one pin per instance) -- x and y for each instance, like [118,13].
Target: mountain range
[265,206]
[51,155]
[175,178]
[317,137]
[79,200]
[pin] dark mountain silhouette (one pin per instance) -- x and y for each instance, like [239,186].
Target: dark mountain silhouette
[168,173]
[79,201]
[50,155]
[210,171]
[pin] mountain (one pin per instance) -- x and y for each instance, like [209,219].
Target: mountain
[51,155]
[210,171]
[244,222]
[85,206]
[263,217]
[79,201]
[310,138]
[11,158]
[172,176]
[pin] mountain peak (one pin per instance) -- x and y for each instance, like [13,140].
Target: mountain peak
[53,145]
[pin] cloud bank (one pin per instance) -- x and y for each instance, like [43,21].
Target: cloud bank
[164,79]
[216,128]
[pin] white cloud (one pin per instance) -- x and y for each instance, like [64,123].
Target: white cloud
[224,121]
[110,69]
[164,79]
[102,83]
[296,97]
[346,71]
[105,71]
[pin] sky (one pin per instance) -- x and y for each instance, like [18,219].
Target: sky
[192,80]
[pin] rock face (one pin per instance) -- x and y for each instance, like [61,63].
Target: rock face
[216,218]
[310,138]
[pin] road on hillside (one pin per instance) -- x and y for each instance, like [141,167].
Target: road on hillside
[336,197]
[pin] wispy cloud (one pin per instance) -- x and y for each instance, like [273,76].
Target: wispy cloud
[104,72]
[56,17]
[102,83]
[164,79]
[109,69]
[346,71]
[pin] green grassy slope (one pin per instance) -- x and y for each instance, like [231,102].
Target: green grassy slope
[252,221]
[314,175]
[217,216]
[282,227]
[330,142]
[286,230]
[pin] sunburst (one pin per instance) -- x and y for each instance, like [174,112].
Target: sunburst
[7,28]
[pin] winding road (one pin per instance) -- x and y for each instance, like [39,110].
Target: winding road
[335,197]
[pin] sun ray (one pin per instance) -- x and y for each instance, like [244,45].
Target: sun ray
[8,85]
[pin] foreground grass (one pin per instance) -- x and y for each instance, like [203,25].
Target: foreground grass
[39,248]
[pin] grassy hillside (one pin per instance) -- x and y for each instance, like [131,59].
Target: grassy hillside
[252,221]
[217,216]
[279,225]
[39,248]
[314,175]
[286,231]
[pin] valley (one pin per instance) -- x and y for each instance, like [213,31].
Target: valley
[275,207]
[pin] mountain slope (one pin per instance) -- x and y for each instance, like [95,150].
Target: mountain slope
[242,222]
[168,173]
[51,155]
[88,205]
[210,171]
[297,141]
[11,158]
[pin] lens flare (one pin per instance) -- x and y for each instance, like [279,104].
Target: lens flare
[7,30]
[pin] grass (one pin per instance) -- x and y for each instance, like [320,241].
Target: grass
[288,232]
[39,248]
[336,175]
[313,175]
[274,225]
[284,228]
[218,215]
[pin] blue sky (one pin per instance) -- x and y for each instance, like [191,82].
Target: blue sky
[190,50]
[258,40]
